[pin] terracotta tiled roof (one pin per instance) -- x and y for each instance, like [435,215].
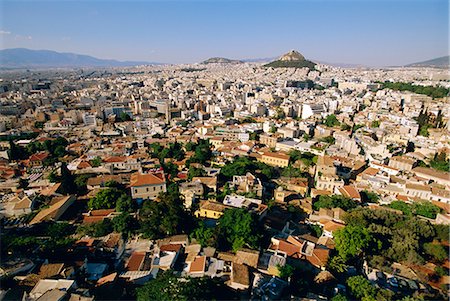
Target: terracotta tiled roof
[84,164]
[277,155]
[350,191]
[332,226]
[146,179]
[198,265]
[102,212]
[39,156]
[171,247]
[136,260]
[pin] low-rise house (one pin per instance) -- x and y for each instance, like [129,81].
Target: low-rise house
[55,211]
[284,196]
[138,268]
[240,277]
[440,177]
[248,184]
[252,205]
[197,267]
[331,226]
[330,183]
[100,181]
[418,191]
[324,215]
[275,159]
[210,209]
[191,191]
[16,206]
[115,244]
[302,249]
[166,255]
[38,159]
[402,163]
[247,257]
[147,186]
[94,271]
[209,182]
[350,192]
[299,185]
[51,285]
[95,216]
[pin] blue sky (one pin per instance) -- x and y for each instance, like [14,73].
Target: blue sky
[376,33]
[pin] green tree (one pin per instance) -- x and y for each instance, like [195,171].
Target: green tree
[334,201]
[369,197]
[53,177]
[237,228]
[205,236]
[16,152]
[202,152]
[351,241]
[360,287]
[339,297]
[96,162]
[67,180]
[436,251]
[331,121]
[164,218]
[337,264]
[375,124]
[345,127]
[440,162]
[105,199]
[195,172]
[285,271]
[98,229]
[125,223]
[124,203]
[167,287]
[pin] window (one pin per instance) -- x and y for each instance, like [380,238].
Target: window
[135,190]
[154,188]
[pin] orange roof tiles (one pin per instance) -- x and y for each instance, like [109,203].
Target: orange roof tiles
[146,179]
[136,260]
[198,265]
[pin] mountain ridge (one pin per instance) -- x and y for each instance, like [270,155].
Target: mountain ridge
[439,62]
[30,58]
[221,60]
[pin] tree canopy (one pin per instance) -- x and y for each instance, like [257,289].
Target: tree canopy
[331,121]
[334,201]
[168,287]
[163,218]
[351,241]
[237,228]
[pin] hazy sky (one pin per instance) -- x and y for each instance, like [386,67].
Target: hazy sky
[386,32]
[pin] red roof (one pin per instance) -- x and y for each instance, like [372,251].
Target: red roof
[198,265]
[39,156]
[171,247]
[147,179]
[136,260]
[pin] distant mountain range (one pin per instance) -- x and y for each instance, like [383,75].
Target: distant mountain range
[27,58]
[221,60]
[440,62]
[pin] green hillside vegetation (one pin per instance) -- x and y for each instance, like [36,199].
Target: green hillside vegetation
[434,92]
[291,64]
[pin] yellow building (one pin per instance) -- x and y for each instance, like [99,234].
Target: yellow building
[275,159]
[210,209]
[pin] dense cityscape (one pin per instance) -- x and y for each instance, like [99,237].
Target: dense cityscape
[225,180]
